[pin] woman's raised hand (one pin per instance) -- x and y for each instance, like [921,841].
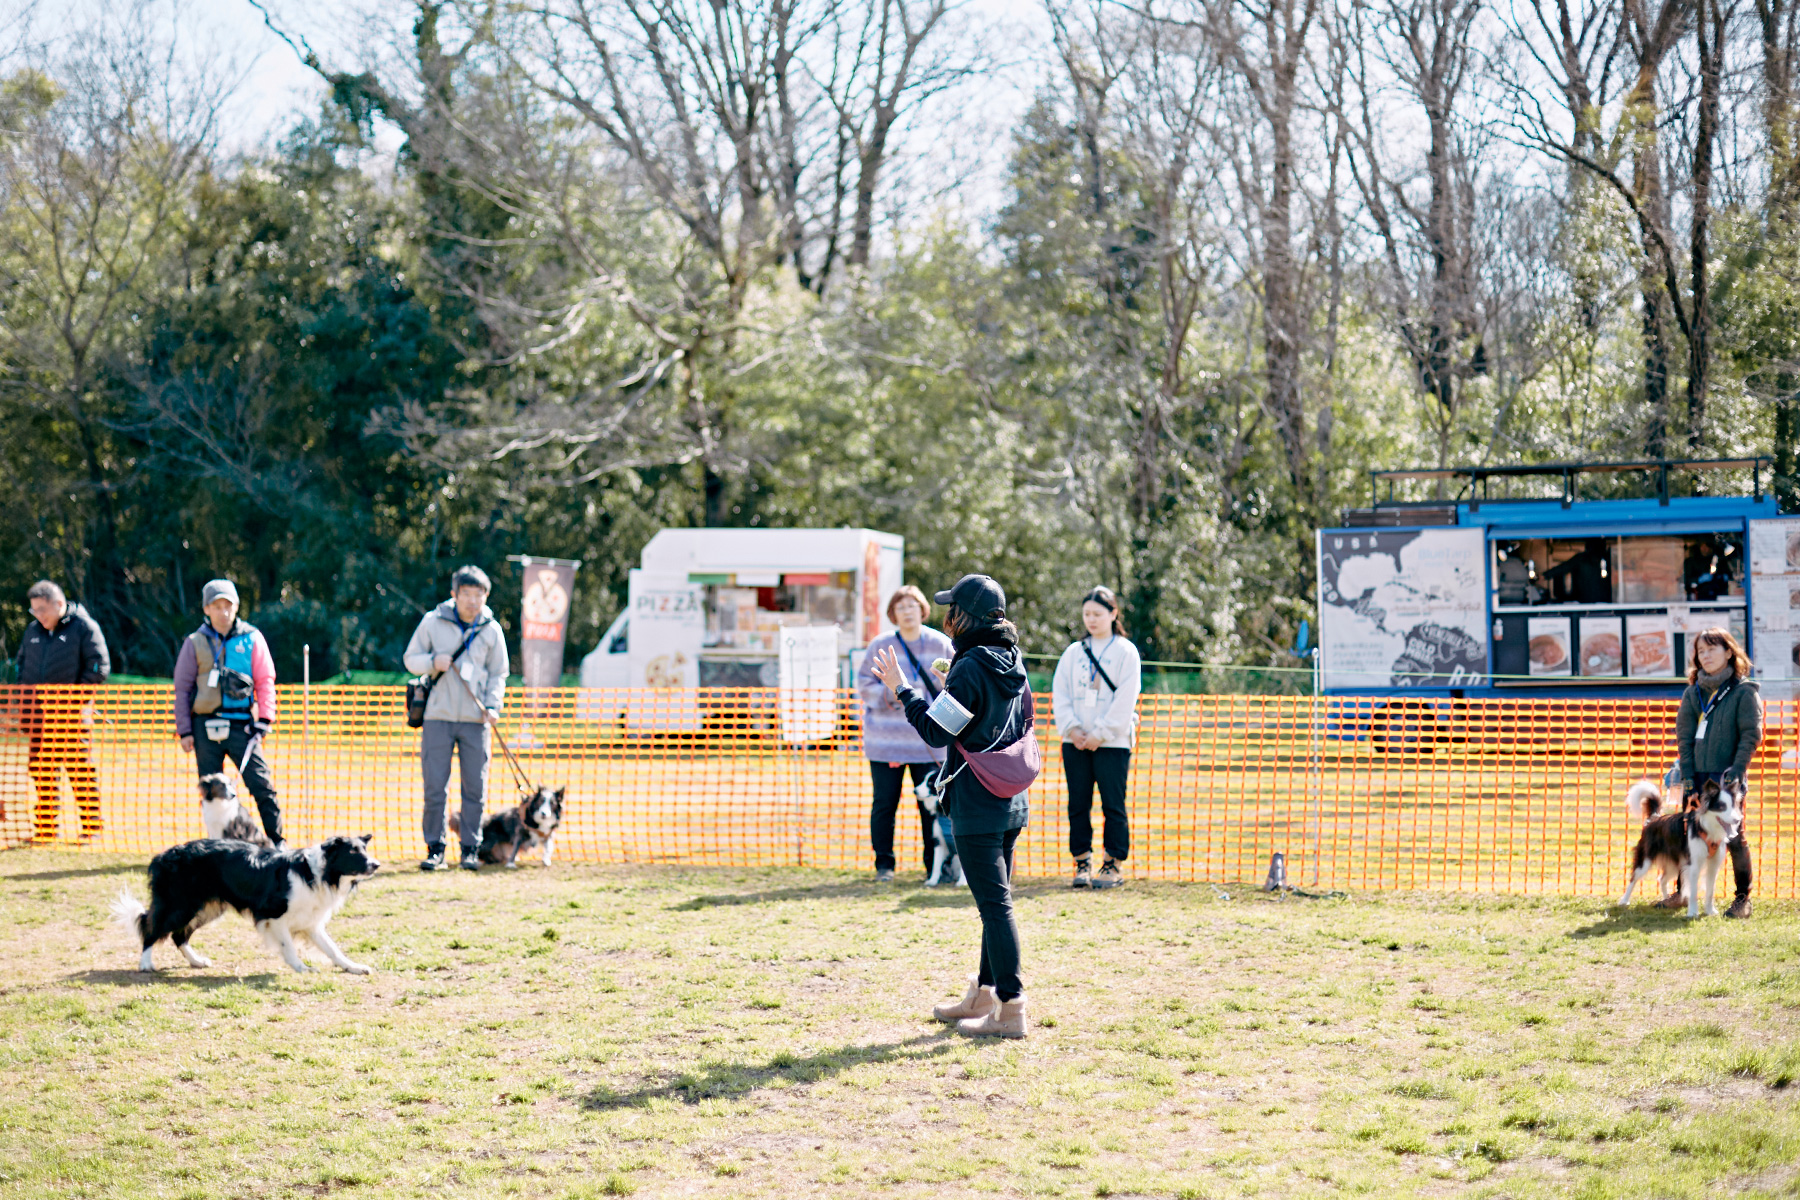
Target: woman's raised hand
[887,669]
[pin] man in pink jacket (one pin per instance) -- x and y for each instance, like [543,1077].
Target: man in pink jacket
[225,698]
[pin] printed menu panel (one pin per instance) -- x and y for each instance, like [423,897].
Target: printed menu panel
[1775,605]
[1602,650]
[1549,646]
[1650,645]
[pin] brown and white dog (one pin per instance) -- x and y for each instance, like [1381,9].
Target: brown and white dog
[1686,846]
[533,823]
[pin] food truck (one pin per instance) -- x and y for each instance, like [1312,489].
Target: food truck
[707,608]
[1484,595]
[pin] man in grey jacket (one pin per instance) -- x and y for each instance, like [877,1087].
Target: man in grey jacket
[458,638]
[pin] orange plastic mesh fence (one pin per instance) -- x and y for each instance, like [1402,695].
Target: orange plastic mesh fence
[1506,795]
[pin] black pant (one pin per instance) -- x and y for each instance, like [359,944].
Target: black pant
[1109,767]
[209,756]
[987,862]
[888,782]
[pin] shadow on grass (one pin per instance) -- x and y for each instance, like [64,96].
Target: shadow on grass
[823,891]
[1638,917]
[171,976]
[136,868]
[737,1079]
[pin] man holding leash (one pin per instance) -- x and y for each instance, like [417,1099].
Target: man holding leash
[458,637]
[63,645]
[225,699]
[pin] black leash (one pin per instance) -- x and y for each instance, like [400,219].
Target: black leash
[519,776]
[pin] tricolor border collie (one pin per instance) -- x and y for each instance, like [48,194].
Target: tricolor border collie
[531,824]
[283,892]
[223,816]
[1686,846]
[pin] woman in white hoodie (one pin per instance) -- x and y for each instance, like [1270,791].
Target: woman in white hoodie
[1094,698]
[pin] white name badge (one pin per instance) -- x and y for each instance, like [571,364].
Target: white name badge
[212,678]
[1700,729]
[1091,696]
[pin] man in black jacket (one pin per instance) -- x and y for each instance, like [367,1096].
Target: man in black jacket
[63,646]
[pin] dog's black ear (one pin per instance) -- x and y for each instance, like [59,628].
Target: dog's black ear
[560,791]
[366,838]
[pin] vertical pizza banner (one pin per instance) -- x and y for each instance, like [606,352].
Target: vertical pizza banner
[544,630]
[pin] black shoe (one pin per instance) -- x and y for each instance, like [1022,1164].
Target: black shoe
[1109,875]
[434,859]
[470,860]
[1084,874]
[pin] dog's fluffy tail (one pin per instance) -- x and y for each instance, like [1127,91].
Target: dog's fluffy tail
[455,823]
[128,912]
[1644,799]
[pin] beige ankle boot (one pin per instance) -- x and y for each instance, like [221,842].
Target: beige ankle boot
[978,1001]
[1007,1022]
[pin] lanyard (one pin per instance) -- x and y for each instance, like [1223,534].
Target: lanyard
[917,669]
[1717,696]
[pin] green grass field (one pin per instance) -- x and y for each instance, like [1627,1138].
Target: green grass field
[663,1031]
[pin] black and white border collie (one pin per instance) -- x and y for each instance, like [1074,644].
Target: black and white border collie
[223,816]
[1688,846]
[532,824]
[283,892]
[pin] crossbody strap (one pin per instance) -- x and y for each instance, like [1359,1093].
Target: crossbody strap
[1100,670]
[930,689]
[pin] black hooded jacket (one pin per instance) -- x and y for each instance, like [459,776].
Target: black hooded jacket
[73,652]
[988,678]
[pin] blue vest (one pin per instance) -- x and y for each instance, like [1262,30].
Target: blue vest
[233,653]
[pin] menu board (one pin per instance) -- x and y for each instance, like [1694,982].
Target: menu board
[668,621]
[1650,645]
[1403,608]
[1775,605]
[1549,648]
[1602,650]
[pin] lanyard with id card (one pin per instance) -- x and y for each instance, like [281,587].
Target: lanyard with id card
[1706,713]
[1096,673]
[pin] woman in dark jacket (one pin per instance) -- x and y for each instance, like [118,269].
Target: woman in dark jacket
[1717,730]
[987,679]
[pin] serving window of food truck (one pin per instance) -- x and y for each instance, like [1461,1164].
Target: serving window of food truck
[1612,606]
[1486,595]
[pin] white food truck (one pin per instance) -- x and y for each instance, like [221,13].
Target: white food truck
[708,609]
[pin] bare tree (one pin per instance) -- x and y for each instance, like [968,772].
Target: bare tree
[1422,207]
[100,147]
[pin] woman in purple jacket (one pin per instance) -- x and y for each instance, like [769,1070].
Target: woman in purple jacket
[888,739]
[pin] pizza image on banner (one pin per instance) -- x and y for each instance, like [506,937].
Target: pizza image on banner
[1403,608]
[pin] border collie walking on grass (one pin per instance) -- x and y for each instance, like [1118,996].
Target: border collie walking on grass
[283,892]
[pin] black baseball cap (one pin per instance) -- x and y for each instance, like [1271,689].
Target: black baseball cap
[977,595]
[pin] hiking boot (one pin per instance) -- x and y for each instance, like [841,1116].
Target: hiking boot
[1108,876]
[1673,900]
[1740,909]
[1084,875]
[978,1001]
[434,859]
[471,861]
[1008,1021]
[884,874]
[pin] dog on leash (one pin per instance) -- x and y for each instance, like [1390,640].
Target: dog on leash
[283,892]
[1686,846]
[224,817]
[533,824]
[946,865]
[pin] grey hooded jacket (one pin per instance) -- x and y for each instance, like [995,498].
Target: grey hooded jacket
[1734,728]
[484,664]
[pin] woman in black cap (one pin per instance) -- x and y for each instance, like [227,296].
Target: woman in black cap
[984,709]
